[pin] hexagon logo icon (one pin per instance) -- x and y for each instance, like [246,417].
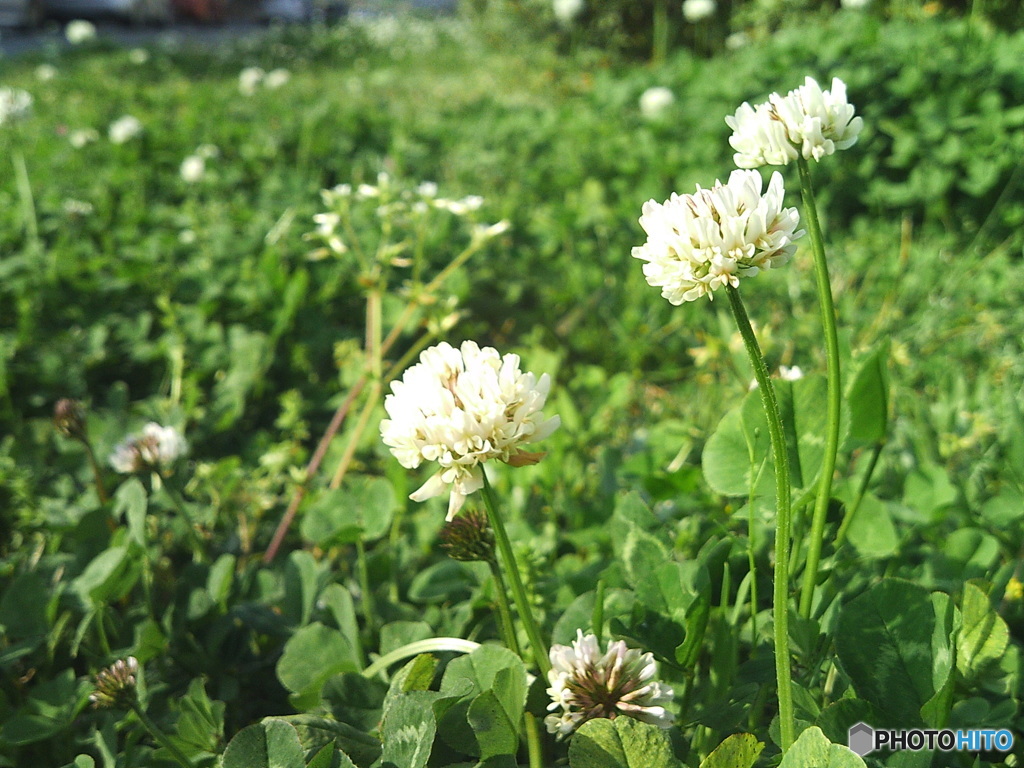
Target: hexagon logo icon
[861,738]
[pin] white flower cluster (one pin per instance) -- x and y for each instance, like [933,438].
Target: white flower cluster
[15,104]
[566,11]
[807,121]
[193,167]
[251,78]
[698,10]
[460,408]
[654,101]
[124,129]
[155,449]
[701,242]
[80,31]
[586,685]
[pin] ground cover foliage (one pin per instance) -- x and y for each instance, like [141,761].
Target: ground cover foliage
[218,306]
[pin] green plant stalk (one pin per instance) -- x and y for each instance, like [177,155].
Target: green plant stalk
[834,391]
[97,473]
[537,644]
[597,617]
[508,632]
[844,527]
[28,205]
[752,558]
[159,736]
[780,601]
[660,32]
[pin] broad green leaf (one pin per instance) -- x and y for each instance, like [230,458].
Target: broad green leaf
[837,718]
[729,462]
[49,710]
[315,732]
[884,639]
[813,750]
[407,732]
[620,743]
[872,531]
[311,656]
[868,399]
[23,607]
[737,751]
[130,500]
[110,576]
[220,579]
[200,726]
[1005,509]
[983,636]
[270,744]
[363,509]
[354,699]
[399,633]
[301,584]
[496,729]
[929,490]
[445,581]
[339,602]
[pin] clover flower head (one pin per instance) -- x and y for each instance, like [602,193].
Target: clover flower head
[82,136]
[193,168]
[15,105]
[45,72]
[277,78]
[79,31]
[654,101]
[124,129]
[249,80]
[115,685]
[460,408]
[69,418]
[138,56]
[586,684]
[698,10]
[468,537]
[155,449]
[699,243]
[806,121]
[566,11]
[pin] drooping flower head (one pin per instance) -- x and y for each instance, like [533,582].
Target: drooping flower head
[468,537]
[115,685]
[154,450]
[460,408]
[586,685]
[701,242]
[807,121]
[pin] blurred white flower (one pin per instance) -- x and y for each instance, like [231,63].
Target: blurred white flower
[487,231]
[187,237]
[193,168]
[276,78]
[787,373]
[855,5]
[154,450]
[566,11]
[701,242]
[807,121]
[208,151]
[654,101]
[124,129]
[586,685]
[138,56]
[82,136]
[737,40]
[79,31]
[460,408]
[460,207]
[45,72]
[249,80]
[77,208]
[15,105]
[698,10]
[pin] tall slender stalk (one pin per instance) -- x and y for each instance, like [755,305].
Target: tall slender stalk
[508,560]
[834,391]
[780,601]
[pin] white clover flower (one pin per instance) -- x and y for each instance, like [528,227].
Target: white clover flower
[15,105]
[155,449]
[138,56]
[787,373]
[807,121]
[208,151]
[45,72]
[77,208]
[654,101]
[566,11]
[276,78]
[737,40]
[701,242]
[187,237]
[249,80]
[698,10]
[124,129]
[855,5]
[82,136]
[461,207]
[586,685]
[193,168]
[79,31]
[460,408]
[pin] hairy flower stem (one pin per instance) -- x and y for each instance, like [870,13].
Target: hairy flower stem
[828,322]
[537,644]
[780,602]
[160,737]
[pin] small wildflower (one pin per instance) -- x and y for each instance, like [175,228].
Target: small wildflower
[79,31]
[193,168]
[77,208]
[698,10]
[699,243]
[807,121]
[566,11]
[855,5]
[15,105]
[138,56]
[124,129]
[116,685]
[586,685]
[69,418]
[45,72]
[249,80]
[460,408]
[276,78]
[468,537]
[654,101]
[82,136]
[154,450]
[737,40]
[1014,590]
[787,373]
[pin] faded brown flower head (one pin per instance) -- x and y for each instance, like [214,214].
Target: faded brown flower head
[69,418]
[468,537]
[115,685]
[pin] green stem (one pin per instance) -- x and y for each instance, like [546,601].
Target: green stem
[537,644]
[597,617]
[848,518]
[780,601]
[160,737]
[369,611]
[28,205]
[828,322]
